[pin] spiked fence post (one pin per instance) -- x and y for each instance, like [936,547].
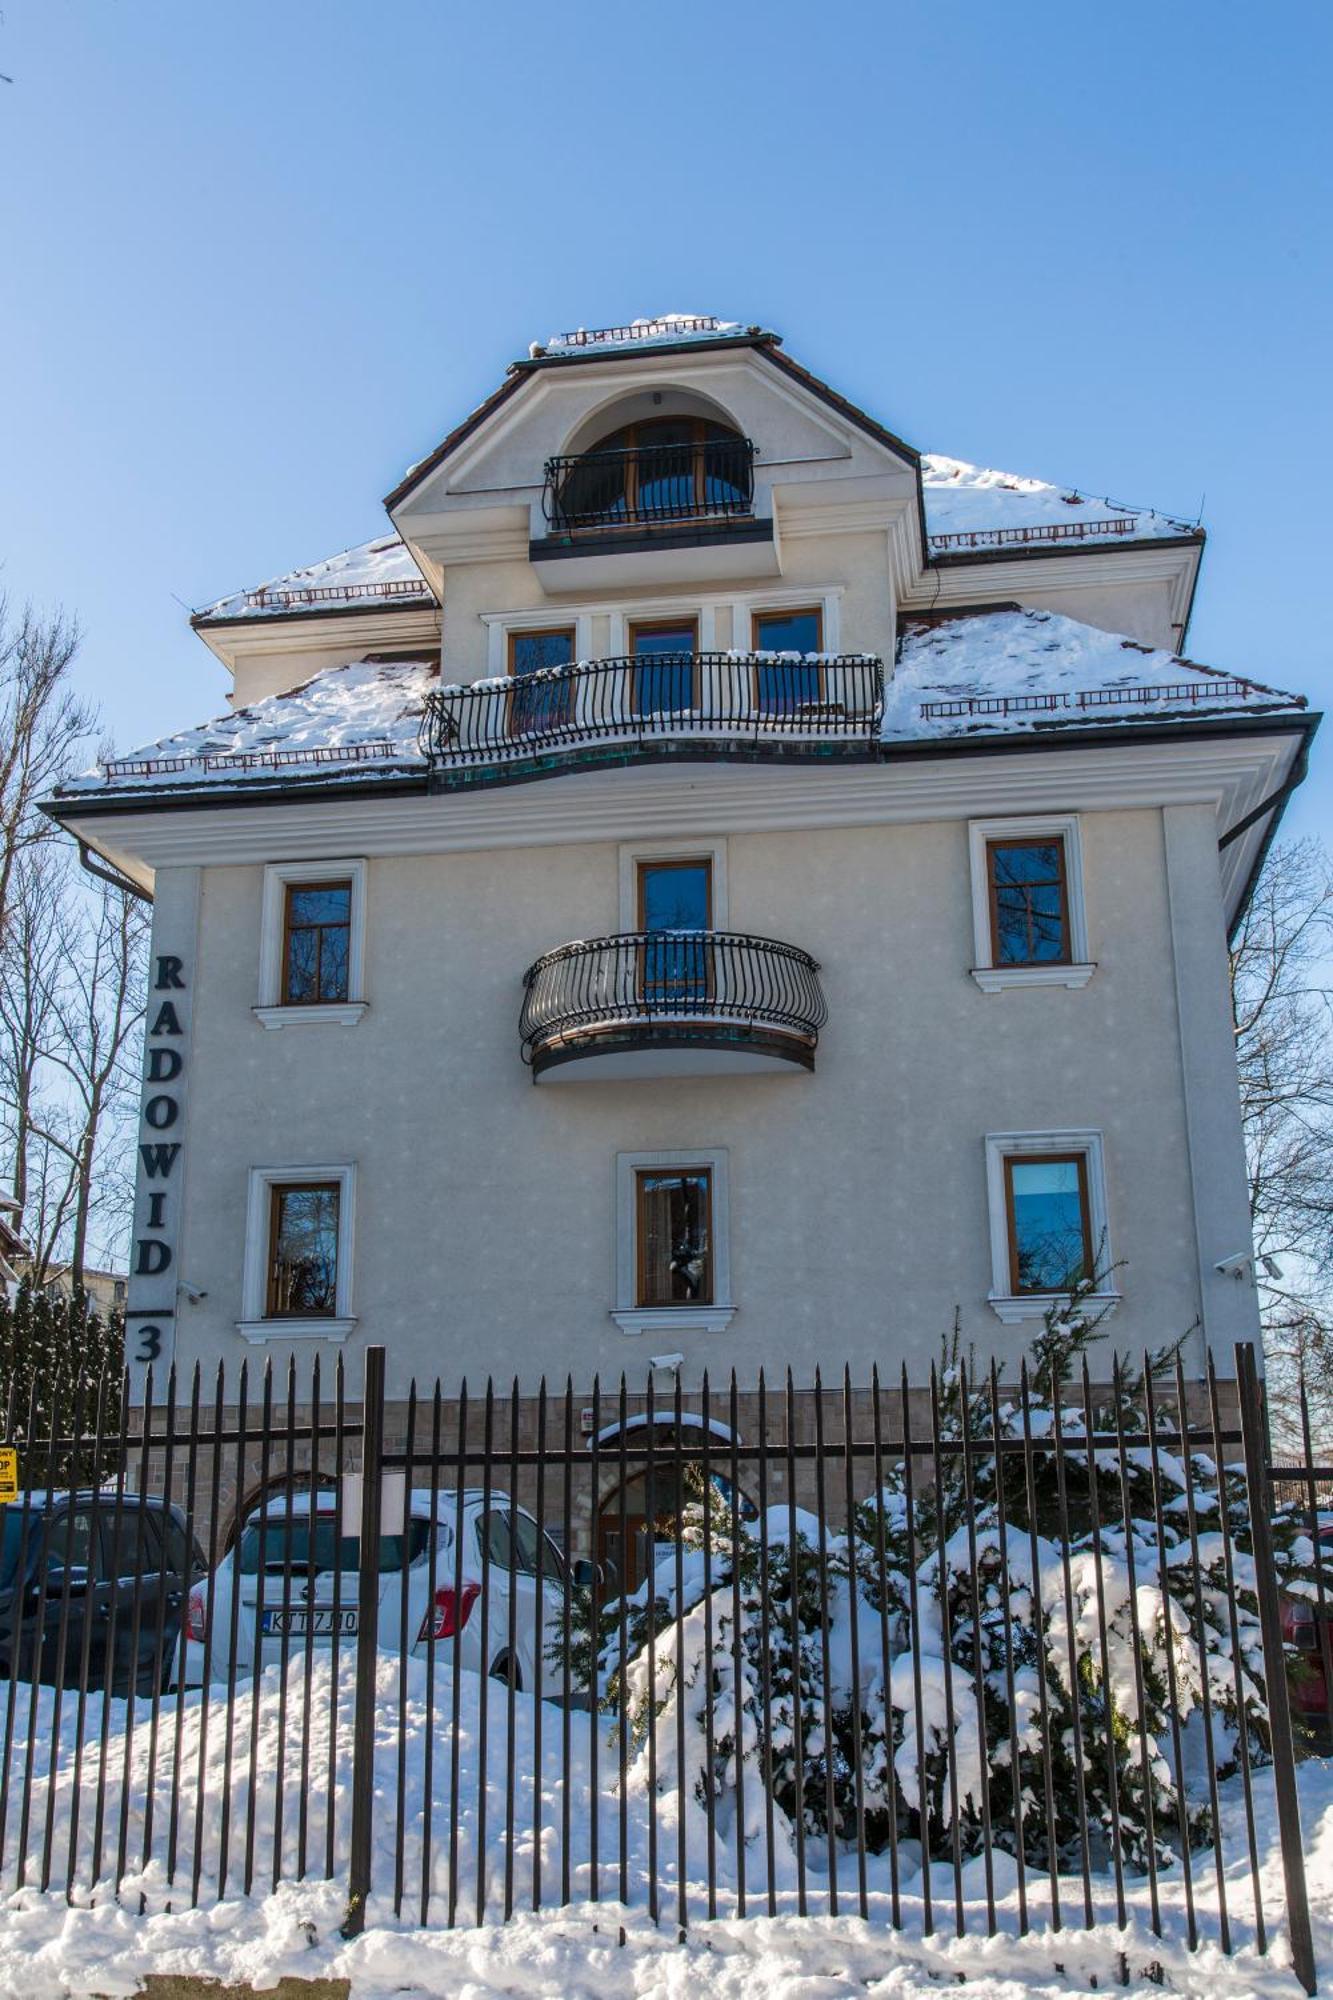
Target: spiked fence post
[367,1644]
[1275,1671]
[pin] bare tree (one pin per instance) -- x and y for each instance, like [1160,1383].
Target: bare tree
[1282,999]
[71,1007]
[41,723]
[32,956]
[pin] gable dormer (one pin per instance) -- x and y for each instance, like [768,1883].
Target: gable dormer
[668,453]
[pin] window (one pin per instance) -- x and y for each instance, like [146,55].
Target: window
[548,704]
[675,1236]
[131,1545]
[303,1251]
[316,939]
[662,469]
[312,944]
[286,1544]
[297,1272]
[524,1550]
[673,1272]
[1050,1239]
[675,906]
[1027,903]
[782,685]
[670,686]
[1048,1219]
[69,1541]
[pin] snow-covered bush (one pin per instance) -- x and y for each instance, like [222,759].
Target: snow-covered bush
[1088,1618]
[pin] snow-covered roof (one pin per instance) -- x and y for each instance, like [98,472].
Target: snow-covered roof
[999,672]
[345,720]
[372,573]
[661,330]
[972,507]
[1003,672]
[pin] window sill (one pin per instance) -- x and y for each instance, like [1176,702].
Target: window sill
[343,1013]
[995,978]
[1036,1305]
[638,1320]
[260,1332]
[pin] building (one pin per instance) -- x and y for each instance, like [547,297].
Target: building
[14,1250]
[711,883]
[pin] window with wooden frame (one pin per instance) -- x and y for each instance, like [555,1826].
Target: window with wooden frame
[666,676]
[303,1249]
[674,1236]
[661,469]
[1027,885]
[675,913]
[538,707]
[1049,1222]
[316,943]
[782,686]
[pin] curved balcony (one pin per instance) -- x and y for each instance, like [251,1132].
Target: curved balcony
[671,1003]
[790,703]
[698,478]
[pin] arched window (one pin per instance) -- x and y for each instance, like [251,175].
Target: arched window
[660,469]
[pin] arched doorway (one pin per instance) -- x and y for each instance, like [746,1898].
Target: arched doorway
[629,1534]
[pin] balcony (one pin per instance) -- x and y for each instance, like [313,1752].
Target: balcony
[671,1004]
[678,509]
[649,486]
[755,704]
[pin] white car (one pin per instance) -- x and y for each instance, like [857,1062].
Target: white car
[272,1586]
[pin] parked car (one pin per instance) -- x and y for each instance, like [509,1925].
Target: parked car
[292,1581]
[71,1568]
[1312,1639]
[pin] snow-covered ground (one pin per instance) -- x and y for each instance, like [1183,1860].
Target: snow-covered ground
[104,1946]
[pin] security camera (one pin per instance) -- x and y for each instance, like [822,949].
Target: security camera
[192,1292]
[1272,1269]
[1237,1266]
[671,1361]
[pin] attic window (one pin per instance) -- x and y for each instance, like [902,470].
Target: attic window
[661,469]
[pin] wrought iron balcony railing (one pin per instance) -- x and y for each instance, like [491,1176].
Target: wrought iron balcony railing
[738,697]
[645,485]
[655,987]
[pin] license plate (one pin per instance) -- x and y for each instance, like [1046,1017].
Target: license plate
[318,1621]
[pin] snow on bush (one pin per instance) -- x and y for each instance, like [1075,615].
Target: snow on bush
[1078,1624]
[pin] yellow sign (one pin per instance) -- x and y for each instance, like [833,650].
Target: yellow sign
[9,1473]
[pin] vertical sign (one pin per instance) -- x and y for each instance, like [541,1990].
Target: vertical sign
[150,1319]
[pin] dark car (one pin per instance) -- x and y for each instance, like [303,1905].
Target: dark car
[101,1577]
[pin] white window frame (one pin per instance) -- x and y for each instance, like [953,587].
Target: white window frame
[1002,1146]
[549,618]
[632,852]
[666,1322]
[271,1012]
[993,978]
[619,617]
[829,603]
[255,1324]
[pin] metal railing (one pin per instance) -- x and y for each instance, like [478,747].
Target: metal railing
[642,486]
[737,697]
[647,979]
[1191,694]
[267,1629]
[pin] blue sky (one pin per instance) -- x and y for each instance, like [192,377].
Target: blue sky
[256,257]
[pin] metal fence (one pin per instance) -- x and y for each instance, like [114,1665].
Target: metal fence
[961,1656]
[798,701]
